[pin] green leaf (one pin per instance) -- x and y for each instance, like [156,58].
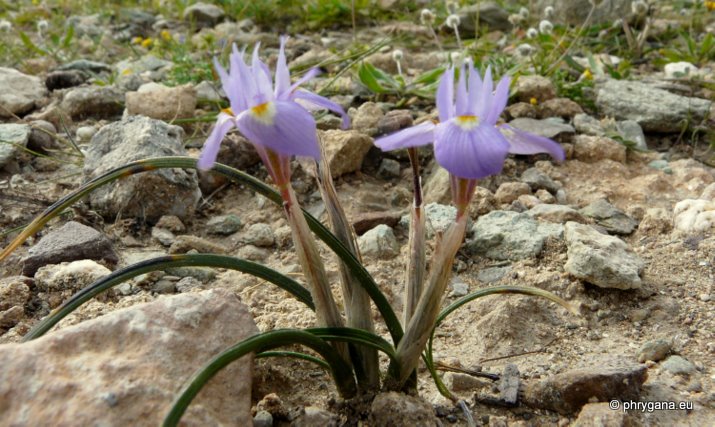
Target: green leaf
[30,45]
[341,371]
[368,78]
[162,263]
[295,354]
[428,77]
[68,37]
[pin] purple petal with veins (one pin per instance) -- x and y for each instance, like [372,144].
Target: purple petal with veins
[471,154]
[290,131]
[213,142]
[521,142]
[421,134]
[322,102]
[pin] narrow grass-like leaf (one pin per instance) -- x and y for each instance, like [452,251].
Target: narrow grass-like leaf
[357,336]
[162,263]
[296,355]
[30,45]
[259,343]
[356,268]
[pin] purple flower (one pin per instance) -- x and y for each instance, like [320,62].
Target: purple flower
[267,114]
[467,141]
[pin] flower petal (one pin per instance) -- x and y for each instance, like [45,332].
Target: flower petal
[521,142]
[262,77]
[282,74]
[290,131]
[484,98]
[231,87]
[445,95]
[307,76]
[470,154]
[501,96]
[421,134]
[322,102]
[475,88]
[224,123]
[461,95]
[243,74]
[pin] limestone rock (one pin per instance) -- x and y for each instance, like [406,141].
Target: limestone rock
[96,102]
[437,187]
[591,149]
[655,350]
[574,12]
[509,235]
[203,14]
[19,93]
[161,102]
[614,220]
[126,367]
[366,118]
[538,180]
[600,414]
[632,100]
[567,392]
[602,260]
[559,107]
[559,214]
[393,409]
[538,87]
[345,150]
[12,135]
[510,191]
[380,242]
[694,215]
[73,241]
[490,14]
[146,195]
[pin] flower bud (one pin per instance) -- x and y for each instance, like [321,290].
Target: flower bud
[546,27]
[525,49]
[549,12]
[453,21]
[639,8]
[427,17]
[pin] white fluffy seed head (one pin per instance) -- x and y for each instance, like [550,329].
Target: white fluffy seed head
[549,12]
[525,49]
[639,8]
[546,27]
[524,13]
[453,21]
[5,25]
[427,17]
[515,19]
[457,58]
[397,55]
[42,25]
[618,23]
[451,7]
[531,33]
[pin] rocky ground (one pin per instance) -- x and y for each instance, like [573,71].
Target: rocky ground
[624,229]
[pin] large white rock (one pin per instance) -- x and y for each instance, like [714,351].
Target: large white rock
[600,259]
[19,92]
[125,368]
[694,215]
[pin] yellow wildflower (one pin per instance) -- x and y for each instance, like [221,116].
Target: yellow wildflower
[710,5]
[147,43]
[165,34]
[533,101]
[588,75]
[137,40]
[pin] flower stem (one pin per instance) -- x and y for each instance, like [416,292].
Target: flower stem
[416,261]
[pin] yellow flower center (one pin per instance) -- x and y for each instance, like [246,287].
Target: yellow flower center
[264,113]
[467,122]
[228,111]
